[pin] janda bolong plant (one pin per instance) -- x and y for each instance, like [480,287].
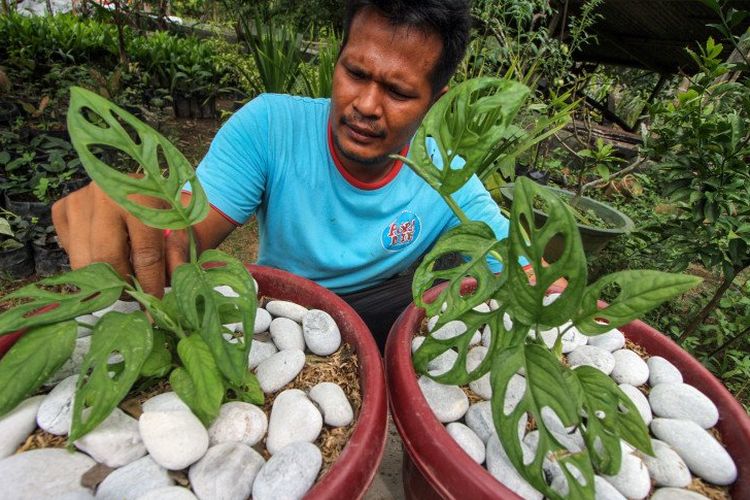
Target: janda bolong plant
[184,338]
[463,123]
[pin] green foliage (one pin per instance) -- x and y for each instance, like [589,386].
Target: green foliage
[320,80]
[38,41]
[33,359]
[107,127]
[702,142]
[580,398]
[205,370]
[98,392]
[277,50]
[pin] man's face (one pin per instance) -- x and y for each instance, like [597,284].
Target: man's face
[381,92]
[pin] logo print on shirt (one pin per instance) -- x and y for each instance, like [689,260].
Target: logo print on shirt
[401,232]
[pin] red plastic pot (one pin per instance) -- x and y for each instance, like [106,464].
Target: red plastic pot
[358,463]
[436,467]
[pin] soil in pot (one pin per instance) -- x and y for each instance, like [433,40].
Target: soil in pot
[682,418]
[16,263]
[297,432]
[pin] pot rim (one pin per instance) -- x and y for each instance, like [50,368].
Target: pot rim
[453,474]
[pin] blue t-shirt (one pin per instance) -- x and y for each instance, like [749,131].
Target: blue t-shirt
[273,158]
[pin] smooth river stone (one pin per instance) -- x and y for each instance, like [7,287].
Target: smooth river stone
[702,453]
[169,493]
[174,439]
[333,403]
[632,480]
[570,438]
[293,418]
[226,471]
[685,402]
[639,400]
[134,480]
[115,442]
[238,422]
[629,368]
[676,494]
[514,392]
[321,332]
[56,411]
[442,363]
[280,369]
[286,309]
[166,401]
[89,319]
[43,473]
[226,291]
[479,419]
[121,306]
[571,339]
[17,425]
[467,440]
[259,352]
[480,386]
[73,365]
[605,491]
[287,334]
[666,467]
[498,464]
[288,474]
[662,371]
[262,321]
[417,342]
[589,355]
[611,341]
[449,330]
[448,402]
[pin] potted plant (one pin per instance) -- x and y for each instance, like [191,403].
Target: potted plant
[184,342]
[513,311]
[598,222]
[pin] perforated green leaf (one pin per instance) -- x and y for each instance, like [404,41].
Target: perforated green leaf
[99,391]
[159,361]
[526,302]
[611,416]
[96,287]
[546,386]
[465,123]
[473,241]
[94,121]
[199,305]
[638,292]
[199,383]
[37,355]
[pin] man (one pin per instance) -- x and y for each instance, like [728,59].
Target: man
[331,204]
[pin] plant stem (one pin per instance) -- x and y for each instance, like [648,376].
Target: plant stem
[465,220]
[600,182]
[699,318]
[193,245]
[728,342]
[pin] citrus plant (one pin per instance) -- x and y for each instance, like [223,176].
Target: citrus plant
[467,119]
[185,338]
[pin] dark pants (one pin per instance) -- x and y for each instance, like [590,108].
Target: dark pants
[380,305]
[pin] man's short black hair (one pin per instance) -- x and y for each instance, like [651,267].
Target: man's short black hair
[449,19]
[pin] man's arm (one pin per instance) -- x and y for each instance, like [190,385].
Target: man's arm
[93,228]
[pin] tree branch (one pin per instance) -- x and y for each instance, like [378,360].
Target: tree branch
[620,173]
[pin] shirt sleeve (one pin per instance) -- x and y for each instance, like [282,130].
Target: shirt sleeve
[234,171]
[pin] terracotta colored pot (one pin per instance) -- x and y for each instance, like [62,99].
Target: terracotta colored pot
[436,467]
[358,463]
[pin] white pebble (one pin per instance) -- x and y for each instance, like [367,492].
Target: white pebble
[333,403]
[639,400]
[56,411]
[286,309]
[288,474]
[287,334]
[662,371]
[448,402]
[227,470]
[589,355]
[17,425]
[238,422]
[166,401]
[683,401]
[666,467]
[280,369]
[293,418]
[174,439]
[115,442]
[134,480]
[467,440]
[321,332]
[629,368]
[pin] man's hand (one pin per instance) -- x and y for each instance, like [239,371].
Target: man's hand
[93,228]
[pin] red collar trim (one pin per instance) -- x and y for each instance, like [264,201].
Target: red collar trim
[395,169]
